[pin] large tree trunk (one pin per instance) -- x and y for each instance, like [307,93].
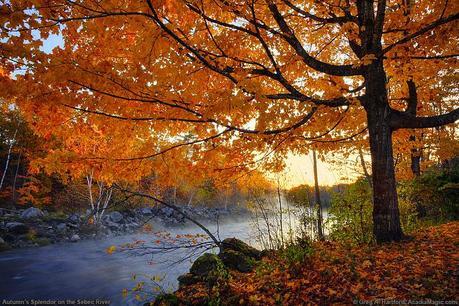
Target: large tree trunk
[386,218]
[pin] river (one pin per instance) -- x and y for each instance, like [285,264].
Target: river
[84,271]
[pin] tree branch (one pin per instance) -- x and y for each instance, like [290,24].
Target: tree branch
[337,19]
[421,31]
[289,36]
[175,208]
[403,120]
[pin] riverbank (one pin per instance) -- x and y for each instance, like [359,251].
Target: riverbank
[34,227]
[423,268]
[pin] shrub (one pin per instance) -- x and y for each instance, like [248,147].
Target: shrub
[350,215]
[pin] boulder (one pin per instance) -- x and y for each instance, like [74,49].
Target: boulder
[188,279]
[32,212]
[74,218]
[116,217]
[75,238]
[167,211]
[72,225]
[113,226]
[205,264]
[62,227]
[9,238]
[237,261]
[241,247]
[129,213]
[146,211]
[17,228]
[168,299]
[42,241]
[3,245]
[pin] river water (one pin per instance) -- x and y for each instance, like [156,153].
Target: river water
[84,271]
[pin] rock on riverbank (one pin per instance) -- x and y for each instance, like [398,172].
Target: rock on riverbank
[36,227]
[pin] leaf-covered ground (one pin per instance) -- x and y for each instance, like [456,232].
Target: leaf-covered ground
[425,267]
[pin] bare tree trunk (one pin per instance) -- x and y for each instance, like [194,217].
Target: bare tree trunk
[106,200]
[190,200]
[310,210]
[13,196]
[415,156]
[89,179]
[318,201]
[280,214]
[99,205]
[8,157]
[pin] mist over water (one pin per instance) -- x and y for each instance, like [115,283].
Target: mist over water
[84,270]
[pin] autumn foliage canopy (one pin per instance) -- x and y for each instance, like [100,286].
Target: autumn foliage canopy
[213,87]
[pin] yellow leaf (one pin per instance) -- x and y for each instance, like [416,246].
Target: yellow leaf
[111,249]
[366,264]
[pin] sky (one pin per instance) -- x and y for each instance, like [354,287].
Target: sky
[299,171]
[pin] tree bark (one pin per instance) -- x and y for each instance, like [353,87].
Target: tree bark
[318,202]
[415,162]
[386,216]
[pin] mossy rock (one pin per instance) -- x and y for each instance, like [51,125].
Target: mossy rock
[188,279]
[166,299]
[204,264]
[240,247]
[42,241]
[267,253]
[237,261]
[55,217]
[88,229]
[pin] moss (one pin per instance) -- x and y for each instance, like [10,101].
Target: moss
[241,247]
[42,241]
[55,216]
[188,279]
[237,260]
[204,264]
[166,299]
